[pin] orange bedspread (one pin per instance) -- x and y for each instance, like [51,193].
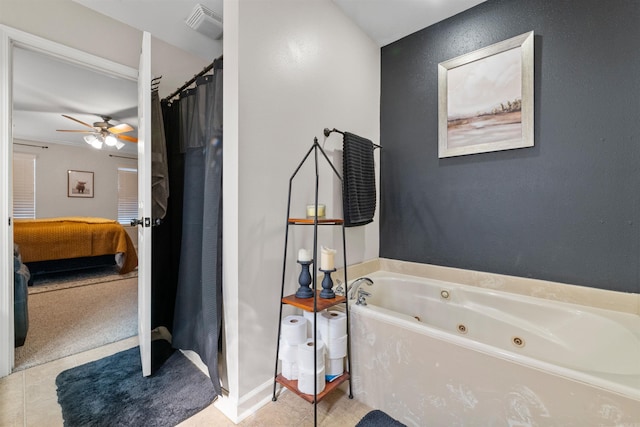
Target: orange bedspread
[73,237]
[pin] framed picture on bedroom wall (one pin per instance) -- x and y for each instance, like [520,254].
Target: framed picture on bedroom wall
[485,99]
[79,184]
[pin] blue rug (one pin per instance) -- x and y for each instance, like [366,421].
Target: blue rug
[377,418]
[112,392]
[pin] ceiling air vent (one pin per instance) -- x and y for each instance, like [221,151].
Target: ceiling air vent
[205,21]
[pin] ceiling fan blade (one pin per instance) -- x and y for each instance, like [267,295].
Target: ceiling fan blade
[79,131]
[78,121]
[128,138]
[121,128]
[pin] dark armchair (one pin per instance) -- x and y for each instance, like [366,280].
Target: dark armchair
[21,293]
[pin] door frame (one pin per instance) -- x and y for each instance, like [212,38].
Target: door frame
[10,38]
[144,204]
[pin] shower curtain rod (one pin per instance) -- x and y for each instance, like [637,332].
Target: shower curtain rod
[328,131]
[192,80]
[155,83]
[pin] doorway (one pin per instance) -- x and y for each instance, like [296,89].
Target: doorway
[19,40]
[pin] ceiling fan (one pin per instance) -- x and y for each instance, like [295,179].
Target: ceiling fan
[103,132]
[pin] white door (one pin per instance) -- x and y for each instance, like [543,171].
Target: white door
[144,204]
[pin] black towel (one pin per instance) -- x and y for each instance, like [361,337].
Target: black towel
[377,418]
[358,180]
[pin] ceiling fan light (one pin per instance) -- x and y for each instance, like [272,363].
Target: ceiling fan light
[119,144]
[89,139]
[110,140]
[97,143]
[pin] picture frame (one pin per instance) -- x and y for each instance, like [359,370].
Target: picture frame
[80,184]
[485,99]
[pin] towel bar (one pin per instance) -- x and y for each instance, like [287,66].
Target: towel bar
[327,132]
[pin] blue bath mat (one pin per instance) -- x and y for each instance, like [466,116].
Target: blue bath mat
[377,418]
[112,392]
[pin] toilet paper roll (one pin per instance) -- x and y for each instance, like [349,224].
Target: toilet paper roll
[332,325]
[294,330]
[288,352]
[306,351]
[309,316]
[290,370]
[334,366]
[337,347]
[305,380]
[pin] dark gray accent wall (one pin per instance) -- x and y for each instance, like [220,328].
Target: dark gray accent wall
[567,209]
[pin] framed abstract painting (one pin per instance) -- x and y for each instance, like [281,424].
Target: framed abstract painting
[485,99]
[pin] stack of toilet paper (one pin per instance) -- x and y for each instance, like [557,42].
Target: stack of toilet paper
[293,332]
[310,365]
[297,349]
[332,326]
[332,330]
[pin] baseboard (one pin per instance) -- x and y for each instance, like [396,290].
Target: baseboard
[249,404]
[236,409]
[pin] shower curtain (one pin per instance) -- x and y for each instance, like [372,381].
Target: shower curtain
[198,305]
[164,265]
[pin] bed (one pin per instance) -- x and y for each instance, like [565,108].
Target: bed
[67,243]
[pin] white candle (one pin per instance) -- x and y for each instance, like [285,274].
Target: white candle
[311,211]
[304,255]
[327,256]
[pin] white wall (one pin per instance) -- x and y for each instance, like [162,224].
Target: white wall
[52,165]
[292,68]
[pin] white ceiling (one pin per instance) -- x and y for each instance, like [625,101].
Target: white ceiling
[165,19]
[386,21]
[40,98]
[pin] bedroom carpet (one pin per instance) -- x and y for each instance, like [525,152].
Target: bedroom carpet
[112,392]
[71,279]
[68,321]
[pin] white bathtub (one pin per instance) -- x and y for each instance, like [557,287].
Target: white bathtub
[438,353]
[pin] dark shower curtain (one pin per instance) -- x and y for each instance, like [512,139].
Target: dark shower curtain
[198,306]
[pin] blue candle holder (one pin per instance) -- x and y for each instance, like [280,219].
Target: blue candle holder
[327,285]
[304,291]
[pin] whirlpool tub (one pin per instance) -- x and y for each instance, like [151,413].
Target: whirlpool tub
[434,353]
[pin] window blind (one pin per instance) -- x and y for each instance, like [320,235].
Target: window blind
[127,195]
[24,185]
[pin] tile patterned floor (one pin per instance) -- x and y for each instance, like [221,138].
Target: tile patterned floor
[28,398]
